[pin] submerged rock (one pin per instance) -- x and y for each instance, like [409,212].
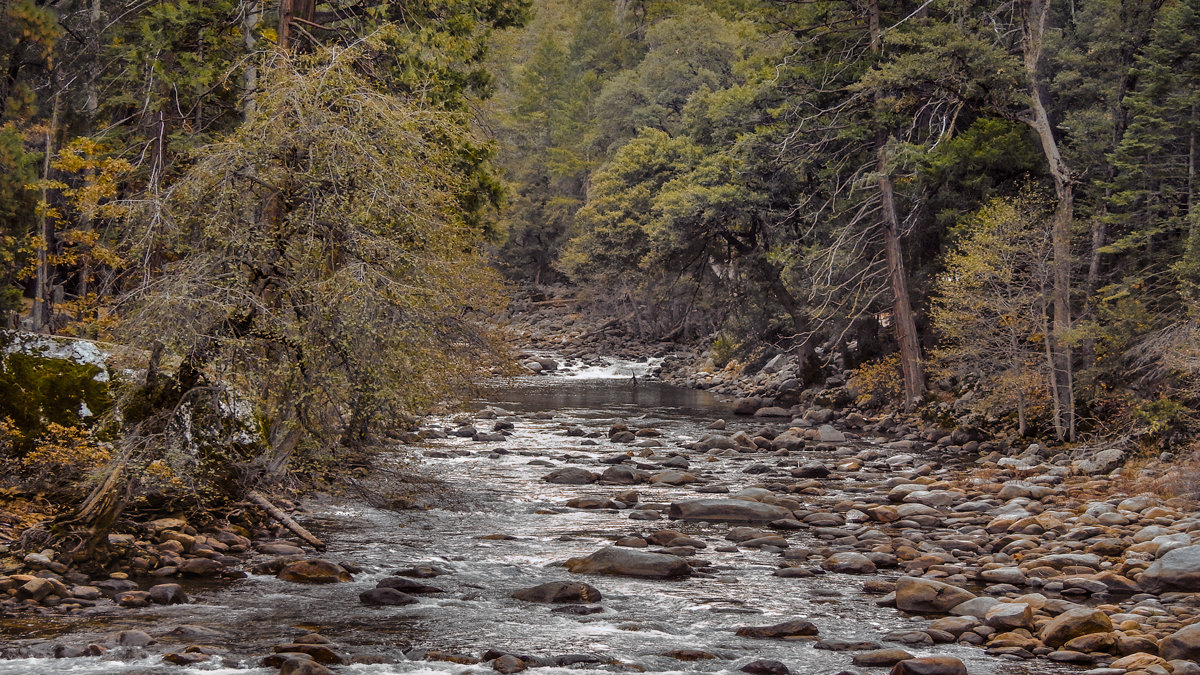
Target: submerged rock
[559,591]
[787,629]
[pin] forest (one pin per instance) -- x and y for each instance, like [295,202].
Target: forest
[1001,194]
[332,198]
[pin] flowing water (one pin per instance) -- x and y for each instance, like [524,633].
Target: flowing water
[491,493]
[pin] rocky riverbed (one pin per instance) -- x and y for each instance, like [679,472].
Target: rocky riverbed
[588,524]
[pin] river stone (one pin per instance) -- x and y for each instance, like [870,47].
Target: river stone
[407,585]
[1004,575]
[168,594]
[727,510]
[787,629]
[508,664]
[976,607]
[298,666]
[827,434]
[570,475]
[318,653]
[132,599]
[188,659]
[1073,623]
[1182,644]
[630,562]
[1009,615]
[747,406]
[385,597]
[765,667]
[201,567]
[313,571]
[928,596]
[132,638]
[1177,570]
[559,591]
[36,589]
[930,665]
[193,633]
[279,548]
[880,658]
[673,478]
[621,475]
[849,562]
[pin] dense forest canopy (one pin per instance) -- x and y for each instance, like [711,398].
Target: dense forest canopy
[869,177]
[996,195]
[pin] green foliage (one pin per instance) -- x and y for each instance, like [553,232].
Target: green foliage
[1163,420]
[991,311]
[37,392]
[877,382]
[18,168]
[321,257]
[724,349]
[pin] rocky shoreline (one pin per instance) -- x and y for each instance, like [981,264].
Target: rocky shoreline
[1027,554]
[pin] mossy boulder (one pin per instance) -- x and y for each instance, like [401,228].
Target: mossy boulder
[47,380]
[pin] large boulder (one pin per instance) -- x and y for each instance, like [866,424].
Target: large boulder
[559,591]
[630,562]
[927,596]
[735,510]
[1182,644]
[1177,570]
[1073,623]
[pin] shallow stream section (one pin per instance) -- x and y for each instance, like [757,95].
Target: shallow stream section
[497,527]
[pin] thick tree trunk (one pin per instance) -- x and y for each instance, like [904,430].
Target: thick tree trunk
[1036,18]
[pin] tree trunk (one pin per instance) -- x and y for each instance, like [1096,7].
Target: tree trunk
[1036,18]
[91,106]
[251,15]
[41,292]
[903,321]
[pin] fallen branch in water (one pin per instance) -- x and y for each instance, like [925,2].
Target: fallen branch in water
[286,520]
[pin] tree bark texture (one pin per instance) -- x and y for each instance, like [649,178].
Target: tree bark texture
[1036,18]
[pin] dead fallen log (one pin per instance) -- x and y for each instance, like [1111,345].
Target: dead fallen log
[286,520]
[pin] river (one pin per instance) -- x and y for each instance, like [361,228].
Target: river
[496,527]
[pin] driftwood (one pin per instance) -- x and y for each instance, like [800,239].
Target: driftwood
[286,520]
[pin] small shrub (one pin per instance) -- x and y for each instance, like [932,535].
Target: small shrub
[877,382]
[1163,421]
[724,349]
[63,459]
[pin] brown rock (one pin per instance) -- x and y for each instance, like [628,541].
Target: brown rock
[314,571]
[559,591]
[921,595]
[930,665]
[881,658]
[787,629]
[1073,623]
[1182,644]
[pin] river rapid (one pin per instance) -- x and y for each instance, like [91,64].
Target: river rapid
[496,527]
